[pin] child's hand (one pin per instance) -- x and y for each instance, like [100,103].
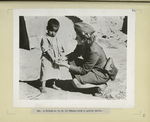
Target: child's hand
[63,64]
[62,58]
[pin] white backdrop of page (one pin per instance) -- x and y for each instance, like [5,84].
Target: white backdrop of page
[108,24]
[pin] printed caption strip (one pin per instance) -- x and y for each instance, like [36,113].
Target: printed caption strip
[69,111]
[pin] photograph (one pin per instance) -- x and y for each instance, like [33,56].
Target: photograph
[80,58]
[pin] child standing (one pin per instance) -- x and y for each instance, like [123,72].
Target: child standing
[52,49]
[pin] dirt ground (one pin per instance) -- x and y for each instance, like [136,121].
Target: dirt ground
[30,71]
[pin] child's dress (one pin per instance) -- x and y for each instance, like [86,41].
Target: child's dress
[50,70]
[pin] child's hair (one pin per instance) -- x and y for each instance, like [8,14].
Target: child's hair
[52,23]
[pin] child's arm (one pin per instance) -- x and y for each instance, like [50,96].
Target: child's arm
[49,52]
[46,49]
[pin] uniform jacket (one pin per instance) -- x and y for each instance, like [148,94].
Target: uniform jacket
[93,56]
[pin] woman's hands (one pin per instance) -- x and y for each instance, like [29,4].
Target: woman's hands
[62,58]
[63,64]
[62,61]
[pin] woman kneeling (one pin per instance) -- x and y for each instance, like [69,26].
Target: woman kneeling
[87,72]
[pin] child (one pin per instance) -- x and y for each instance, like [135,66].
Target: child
[52,49]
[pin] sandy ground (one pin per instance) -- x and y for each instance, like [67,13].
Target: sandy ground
[30,72]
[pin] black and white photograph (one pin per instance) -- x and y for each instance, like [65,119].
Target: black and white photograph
[74,58]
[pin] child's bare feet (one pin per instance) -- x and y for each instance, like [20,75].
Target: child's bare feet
[55,87]
[43,90]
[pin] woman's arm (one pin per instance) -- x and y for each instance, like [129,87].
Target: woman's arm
[76,53]
[87,66]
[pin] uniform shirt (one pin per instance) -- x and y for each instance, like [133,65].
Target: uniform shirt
[94,59]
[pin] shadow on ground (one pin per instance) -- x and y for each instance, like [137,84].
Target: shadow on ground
[65,85]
